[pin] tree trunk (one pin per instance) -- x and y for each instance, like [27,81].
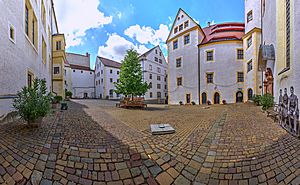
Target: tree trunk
[132,97]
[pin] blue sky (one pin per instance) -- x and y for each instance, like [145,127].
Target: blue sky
[110,27]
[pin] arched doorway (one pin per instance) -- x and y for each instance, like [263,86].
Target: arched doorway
[239,97]
[217,98]
[250,94]
[204,98]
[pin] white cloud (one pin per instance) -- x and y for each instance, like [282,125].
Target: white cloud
[147,35]
[116,46]
[75,17]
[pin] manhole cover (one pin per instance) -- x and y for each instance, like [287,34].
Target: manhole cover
[160,129]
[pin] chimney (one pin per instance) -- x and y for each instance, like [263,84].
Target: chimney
[209,24]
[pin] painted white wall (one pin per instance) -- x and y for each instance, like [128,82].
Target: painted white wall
[19,57]
[225,67]
[189,70]
[253,5]
[83,82]
[146,62]
[103,88]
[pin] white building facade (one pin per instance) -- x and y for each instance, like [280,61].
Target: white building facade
[183,60]
[107,73]
[155,74]
[26,33]
[205,64]
[82,76]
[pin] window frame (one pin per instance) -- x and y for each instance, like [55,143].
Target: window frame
[248,64]
[175,41]
[212,57]
[179,79]
[238,54]
[189,39]
[209,80]
[250,13]
[240,79]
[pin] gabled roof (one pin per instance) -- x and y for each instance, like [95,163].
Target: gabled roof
[80,67]
[224,31]
[180,9]
[110,63]
[149,51]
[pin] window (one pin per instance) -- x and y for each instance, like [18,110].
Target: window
[74,71]
[158,86]
[43,15]
[150,67]
[249,66]
[181,27]
[240,54]
[44,51]
[56,70]
[101,80]
[186,39]
[118,72]
[160,53]
[90,73]
[179,81]
[111,71]
[156,51]
[240,77]
[150,85]
[249,42]
[111,93]
[158,70]
[111,80]
[118,80]
[288,33]
[175,30]
[151,94]
[166,87]
[158,94]
[165,79]
[175,44]
[26,20]
[29,79]
[158,78]
[58,45]
[249,16]
[12,33]
[150,76]
[156,59]
[160,61]
[210,78]
[209,55]
[102,72]
[186,24]
[81,71]
[178,62]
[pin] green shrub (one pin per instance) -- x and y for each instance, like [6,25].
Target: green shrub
[256,99]
[69,94]
[58,99]
[267,101]
[33,102]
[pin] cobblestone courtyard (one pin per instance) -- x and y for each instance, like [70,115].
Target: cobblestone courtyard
[95,143]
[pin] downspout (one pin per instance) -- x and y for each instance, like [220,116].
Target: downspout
[199,89]
[261,43]
[51,65]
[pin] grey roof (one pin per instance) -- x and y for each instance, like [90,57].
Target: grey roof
[110,63]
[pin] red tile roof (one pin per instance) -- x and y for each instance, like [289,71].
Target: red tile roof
[110,63]
[224,31]
[80,67]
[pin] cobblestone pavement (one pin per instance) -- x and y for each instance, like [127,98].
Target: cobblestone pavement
[95,143]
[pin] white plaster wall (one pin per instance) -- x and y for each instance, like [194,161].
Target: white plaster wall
[255,6]
[188,71]
[225,67]
[68,78]
[150,60]
[19,57]
[83,83]
[100,86]
[107,84]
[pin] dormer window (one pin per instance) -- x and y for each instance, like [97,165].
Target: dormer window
[175,30]
[181,27]
[186,24]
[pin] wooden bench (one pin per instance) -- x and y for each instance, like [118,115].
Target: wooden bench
[136,102]
[273,112]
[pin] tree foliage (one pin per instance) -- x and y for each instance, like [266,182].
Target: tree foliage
[131,76]
[33,102]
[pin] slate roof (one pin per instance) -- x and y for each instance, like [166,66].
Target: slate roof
[110,63]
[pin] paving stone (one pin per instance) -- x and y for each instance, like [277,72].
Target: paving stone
[164,178]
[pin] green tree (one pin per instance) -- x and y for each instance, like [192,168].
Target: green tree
[131,76]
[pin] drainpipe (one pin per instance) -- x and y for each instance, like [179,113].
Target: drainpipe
[261,43]
[199,89]
[51,65]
